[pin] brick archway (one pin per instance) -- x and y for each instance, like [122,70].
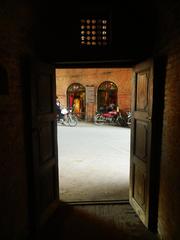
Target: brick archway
[107,96]
[76,99]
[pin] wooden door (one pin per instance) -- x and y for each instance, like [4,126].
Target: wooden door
[42,141]
[141,142]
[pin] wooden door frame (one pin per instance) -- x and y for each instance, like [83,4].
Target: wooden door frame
[157,126]
[159,95]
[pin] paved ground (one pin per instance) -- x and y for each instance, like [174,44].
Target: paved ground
[94,162]
[95,221]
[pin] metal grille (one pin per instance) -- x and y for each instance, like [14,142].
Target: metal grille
[95,32]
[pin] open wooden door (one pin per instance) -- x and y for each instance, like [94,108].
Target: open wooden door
[141,163]
[42,141]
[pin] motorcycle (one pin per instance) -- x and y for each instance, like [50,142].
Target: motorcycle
[112,117]
[65,117]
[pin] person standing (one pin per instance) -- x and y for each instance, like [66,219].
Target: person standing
[58,108]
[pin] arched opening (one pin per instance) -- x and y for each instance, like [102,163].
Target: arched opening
[76,99]
[107,96]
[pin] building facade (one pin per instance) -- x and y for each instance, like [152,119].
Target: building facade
[94,89]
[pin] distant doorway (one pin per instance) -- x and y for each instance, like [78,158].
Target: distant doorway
[76,99]
[107,96]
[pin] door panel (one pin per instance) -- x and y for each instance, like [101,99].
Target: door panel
[140,165]
[44,93]
[140,143]
[42,147]
[46,139]
[142,91]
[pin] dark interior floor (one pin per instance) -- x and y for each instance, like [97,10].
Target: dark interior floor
[95,221]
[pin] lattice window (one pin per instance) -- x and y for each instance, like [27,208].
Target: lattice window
[95,32]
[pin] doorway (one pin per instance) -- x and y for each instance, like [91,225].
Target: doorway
[76,99]
[107,96]
[43,140]
[94,161]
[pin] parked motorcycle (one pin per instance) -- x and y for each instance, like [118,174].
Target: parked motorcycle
[67,118]
[112,117]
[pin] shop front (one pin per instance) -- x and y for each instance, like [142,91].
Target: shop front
[107,96]
[76,99]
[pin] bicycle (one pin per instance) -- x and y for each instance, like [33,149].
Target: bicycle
[67,118]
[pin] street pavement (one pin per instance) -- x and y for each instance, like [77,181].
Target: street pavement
[93,162]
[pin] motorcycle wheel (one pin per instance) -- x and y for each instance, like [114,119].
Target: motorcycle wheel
[99,119]
[121,122]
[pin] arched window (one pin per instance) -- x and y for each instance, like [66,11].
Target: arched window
[107,96]
[76,99]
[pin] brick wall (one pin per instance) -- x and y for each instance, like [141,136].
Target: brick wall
[168,44]
[15,32]
[122,77]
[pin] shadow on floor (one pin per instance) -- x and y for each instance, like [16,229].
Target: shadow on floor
[97,222]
